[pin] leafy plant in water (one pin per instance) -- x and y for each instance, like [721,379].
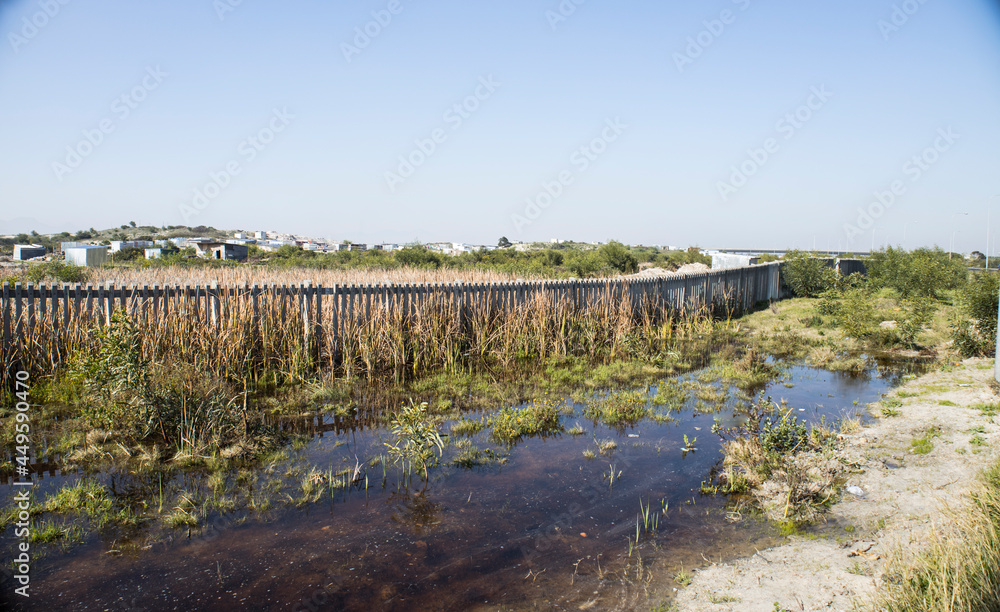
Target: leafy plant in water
[786,435]
[117,375]
[418,442]
[124,400]
[689,444]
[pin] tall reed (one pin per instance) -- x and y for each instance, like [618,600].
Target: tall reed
[398,339]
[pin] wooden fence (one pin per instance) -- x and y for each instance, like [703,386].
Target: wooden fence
[323,311]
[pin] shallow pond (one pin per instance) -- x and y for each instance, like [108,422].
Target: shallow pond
[544,527]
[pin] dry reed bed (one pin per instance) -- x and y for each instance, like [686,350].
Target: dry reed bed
[264,275]
[280,340]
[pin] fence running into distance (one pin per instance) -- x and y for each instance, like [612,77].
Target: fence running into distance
[324,312]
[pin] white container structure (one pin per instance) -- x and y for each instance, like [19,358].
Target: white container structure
[87,255]
[24,252]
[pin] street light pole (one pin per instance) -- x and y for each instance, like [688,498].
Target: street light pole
[953,233]
[989,209]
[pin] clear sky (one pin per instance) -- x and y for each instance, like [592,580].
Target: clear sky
[646,121]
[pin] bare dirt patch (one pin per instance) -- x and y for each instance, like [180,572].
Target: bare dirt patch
[904,469]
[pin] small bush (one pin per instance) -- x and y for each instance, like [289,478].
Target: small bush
[807,276]
[975,332]
[121,397]
[55,271]
[784,436]
[619,257]
[116,376]
[922,272]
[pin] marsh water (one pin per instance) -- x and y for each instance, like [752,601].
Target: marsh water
[540,526]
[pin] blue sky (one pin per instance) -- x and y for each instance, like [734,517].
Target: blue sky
[530,156]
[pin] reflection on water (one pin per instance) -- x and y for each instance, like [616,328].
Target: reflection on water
[547,528]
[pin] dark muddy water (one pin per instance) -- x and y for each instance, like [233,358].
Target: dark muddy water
[545,529]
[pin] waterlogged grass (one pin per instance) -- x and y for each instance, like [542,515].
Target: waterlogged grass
[539,418]
[469,456]
[467,427]
[92,500]
[619,409]
[748,372]
[48,532]
[181,519]
[670,394]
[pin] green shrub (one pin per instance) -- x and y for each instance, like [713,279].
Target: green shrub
[784,436]
[121,398]
[116,376]
[130,254]
[922,272]
[917,314]
[585,264]
[55,271]
[618,256]
[975,331]
[856,314]
[807,276]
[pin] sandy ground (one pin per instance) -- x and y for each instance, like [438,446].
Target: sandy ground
[904,496]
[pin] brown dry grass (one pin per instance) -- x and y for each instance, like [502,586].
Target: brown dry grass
[400,340]
[233,276]
[960,569]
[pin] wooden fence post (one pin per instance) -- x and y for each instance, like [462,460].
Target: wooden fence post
[319,320]
[304,290]
[213,298]
[334,325]
[7,342]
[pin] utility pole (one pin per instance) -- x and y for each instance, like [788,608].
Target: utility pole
[953,233]
[989,209]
